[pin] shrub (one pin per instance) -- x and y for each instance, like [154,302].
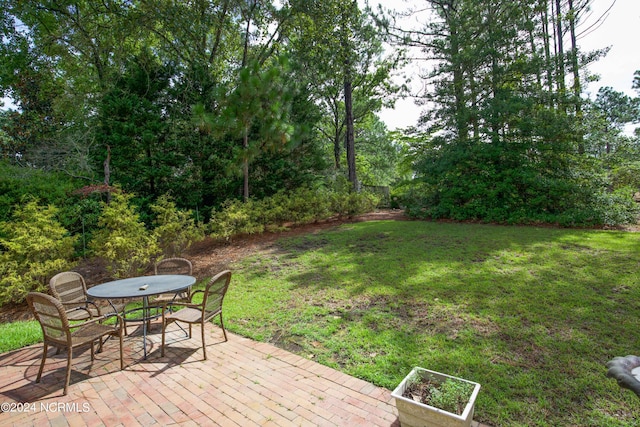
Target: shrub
[175,230]
[122,239]
[562,203]
[235,217]
[302,206]
[349,203]
[305,205]
[35,247]
[18,182]
[272,212]
[80,215]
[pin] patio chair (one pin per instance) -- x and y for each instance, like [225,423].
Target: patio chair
[173,266]
[70,289]
[58,332]
[211,306]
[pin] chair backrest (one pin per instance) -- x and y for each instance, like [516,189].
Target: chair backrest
[174,266]
[214,293]
[52,317]
[68,287]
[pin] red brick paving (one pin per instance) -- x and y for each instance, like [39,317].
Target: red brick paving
[244,383]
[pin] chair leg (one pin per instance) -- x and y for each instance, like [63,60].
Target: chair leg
[121,354]
[164,329]
[204,345]
[124,321]
[44,357]
[68,379]
[222,326]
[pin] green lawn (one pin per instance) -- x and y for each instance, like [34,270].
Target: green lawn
[533,314]
[19,334]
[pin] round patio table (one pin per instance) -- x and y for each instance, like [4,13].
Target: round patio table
[142,287]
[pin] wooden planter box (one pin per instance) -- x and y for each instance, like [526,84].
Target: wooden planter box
[416,414]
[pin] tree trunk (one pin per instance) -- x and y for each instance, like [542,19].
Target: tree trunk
[245,139]
[347,52]
[576,74]
[337,143]
[560,56]
[350,135]
[457,64]
[245,166]
[107,172]
[544,18]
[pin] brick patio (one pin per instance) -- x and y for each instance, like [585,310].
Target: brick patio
[243,383]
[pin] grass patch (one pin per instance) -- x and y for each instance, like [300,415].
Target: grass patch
[19,334]
[533,314]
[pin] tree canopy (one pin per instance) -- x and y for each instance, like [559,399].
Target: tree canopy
[505,135]
[206,100]
[212,100]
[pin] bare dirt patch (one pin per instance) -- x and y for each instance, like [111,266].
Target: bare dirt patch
[211,255]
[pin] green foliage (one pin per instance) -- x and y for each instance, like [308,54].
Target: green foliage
[530,313]
[626,175]
[499,148]
[80,215]
[377,157]
[350,203]
[19,334]
[175,230]
[605,120]
[450,395]
[136,82]
[34,248]
[341,46]
[18,182]
[133,129]
[413,196]
[235,217]
[122,239]
[300,206]
[501,183]
[607,208]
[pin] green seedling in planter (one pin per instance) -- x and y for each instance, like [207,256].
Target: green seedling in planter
[449,395]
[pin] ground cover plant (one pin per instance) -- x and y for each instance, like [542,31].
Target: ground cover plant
[532,314]
[19,334]
[449,395]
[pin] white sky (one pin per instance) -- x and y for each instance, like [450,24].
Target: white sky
[620,30]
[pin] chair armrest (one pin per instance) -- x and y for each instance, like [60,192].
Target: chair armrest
[181,304]
[191,295]
[74,306]
[98,319]
[79,308]
[94,306]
